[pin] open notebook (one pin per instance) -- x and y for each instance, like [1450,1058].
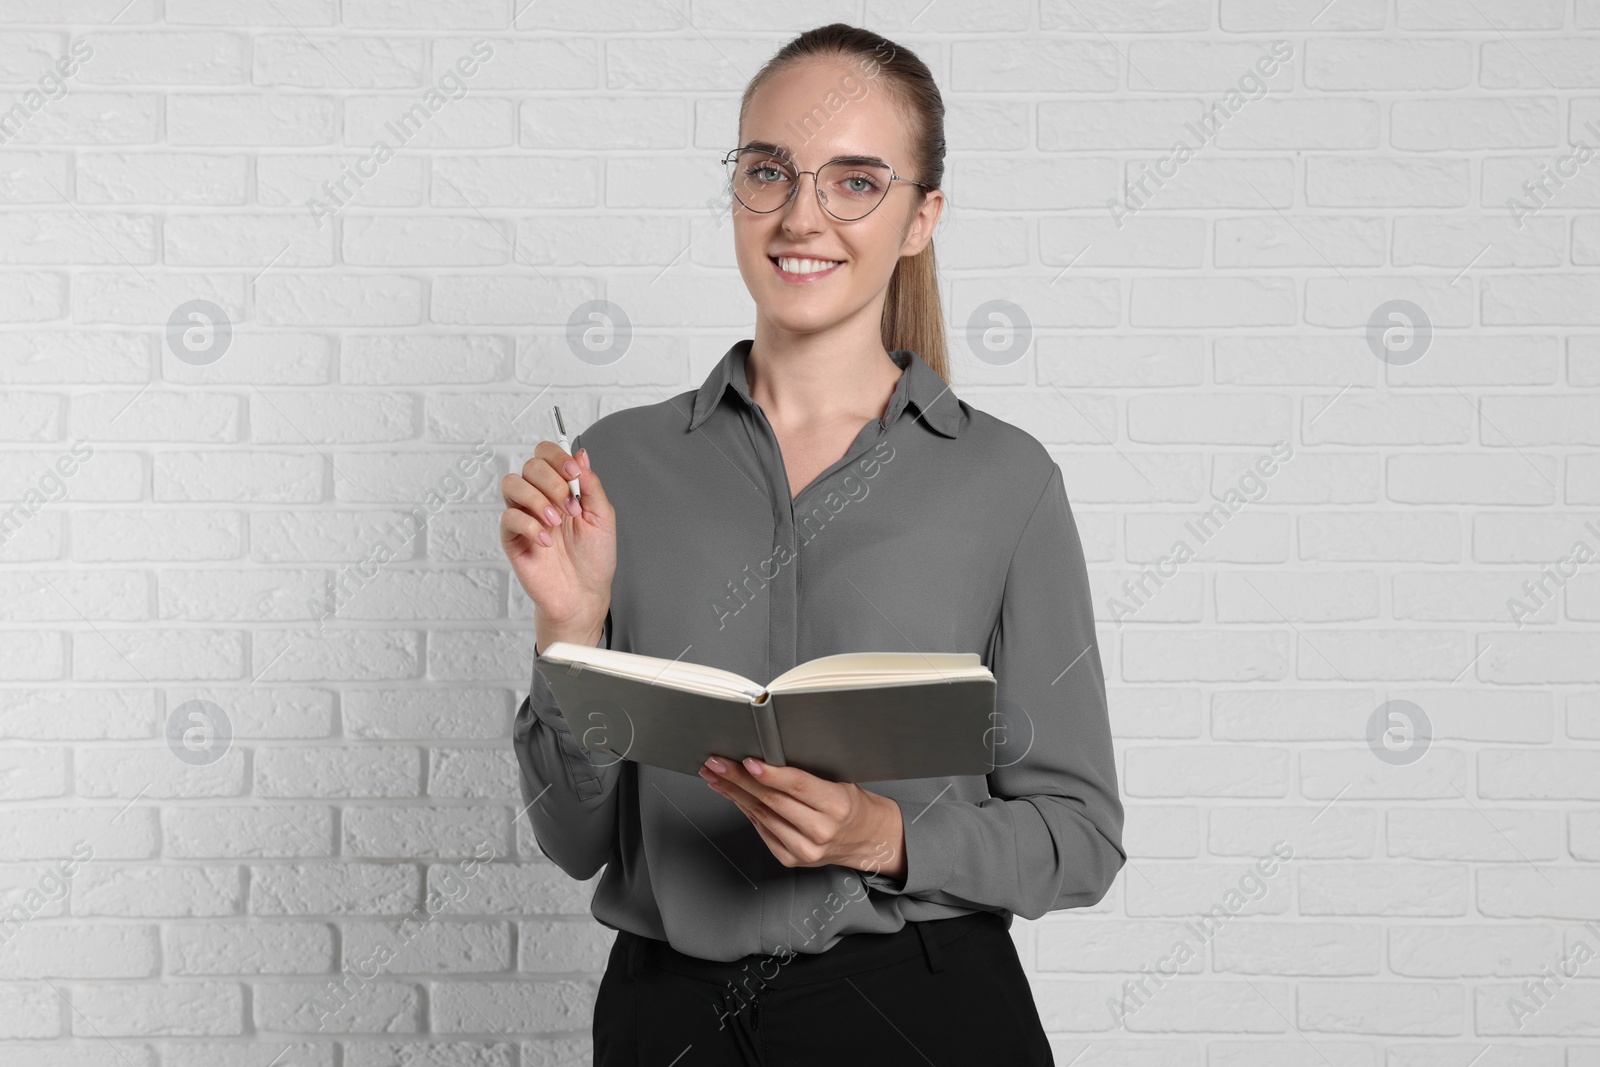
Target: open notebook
[851,717]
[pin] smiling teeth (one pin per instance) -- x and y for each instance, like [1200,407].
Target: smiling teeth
[806,266]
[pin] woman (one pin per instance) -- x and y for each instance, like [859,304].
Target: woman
[823,491]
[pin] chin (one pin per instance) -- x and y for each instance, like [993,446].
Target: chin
[804,323]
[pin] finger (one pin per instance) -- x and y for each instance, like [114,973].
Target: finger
[742,785]
[775,846]
[544,470]
[521,493]
[593,490]
[796,787]
[731,789]
[551,454]
[518,524]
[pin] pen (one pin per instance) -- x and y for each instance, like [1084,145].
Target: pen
[561,439]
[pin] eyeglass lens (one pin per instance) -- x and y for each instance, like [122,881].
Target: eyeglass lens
[848,190]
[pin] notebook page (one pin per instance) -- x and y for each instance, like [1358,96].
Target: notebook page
[678,674]
[852,669]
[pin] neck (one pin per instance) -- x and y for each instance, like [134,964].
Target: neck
[814,380]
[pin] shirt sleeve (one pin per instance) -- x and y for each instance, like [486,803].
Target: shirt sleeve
[1050,834]
[570,793]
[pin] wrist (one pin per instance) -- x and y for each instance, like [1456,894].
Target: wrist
[584,629]
[887,855]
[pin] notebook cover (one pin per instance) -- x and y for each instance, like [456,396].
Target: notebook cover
[923,730]
[649,723]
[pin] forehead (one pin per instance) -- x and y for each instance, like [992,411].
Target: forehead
[821,109]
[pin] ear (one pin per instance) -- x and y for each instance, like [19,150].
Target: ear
[923,221]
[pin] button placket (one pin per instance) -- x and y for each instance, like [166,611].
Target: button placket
[783,592]
[783,624]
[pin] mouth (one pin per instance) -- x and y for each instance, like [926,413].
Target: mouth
[798,271]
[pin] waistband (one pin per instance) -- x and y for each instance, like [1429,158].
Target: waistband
[851,954]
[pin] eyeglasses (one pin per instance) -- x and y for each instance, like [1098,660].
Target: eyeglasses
[848,188]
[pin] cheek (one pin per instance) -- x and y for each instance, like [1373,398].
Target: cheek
[876,258]
[881,247]
[752,236]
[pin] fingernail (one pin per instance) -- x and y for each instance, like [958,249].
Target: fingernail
[583,457]
[571,468]
[574,507]
[753,765]
[551,513]
[715,764]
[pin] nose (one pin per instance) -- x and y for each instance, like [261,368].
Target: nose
[804,210]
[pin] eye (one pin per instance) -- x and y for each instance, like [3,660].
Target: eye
[867,184]
[858,185]
[766,172]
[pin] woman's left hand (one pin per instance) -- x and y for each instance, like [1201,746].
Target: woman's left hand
[810,822]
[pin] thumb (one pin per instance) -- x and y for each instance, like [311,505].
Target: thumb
[593,494]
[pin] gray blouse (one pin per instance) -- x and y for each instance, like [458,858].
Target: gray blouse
[941,529]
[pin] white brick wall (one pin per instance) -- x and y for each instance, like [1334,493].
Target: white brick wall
[177,522]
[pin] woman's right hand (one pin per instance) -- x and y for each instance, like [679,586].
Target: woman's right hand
[566,562]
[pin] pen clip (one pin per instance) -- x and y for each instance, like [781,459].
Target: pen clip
[561,427]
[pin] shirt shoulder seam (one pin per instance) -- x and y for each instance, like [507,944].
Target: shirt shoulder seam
[1054,469]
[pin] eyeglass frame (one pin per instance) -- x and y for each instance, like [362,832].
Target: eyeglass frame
[782,156]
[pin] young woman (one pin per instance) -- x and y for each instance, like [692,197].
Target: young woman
[822,491]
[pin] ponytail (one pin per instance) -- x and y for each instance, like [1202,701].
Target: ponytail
[913,316]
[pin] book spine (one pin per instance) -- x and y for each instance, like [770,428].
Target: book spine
[767,732]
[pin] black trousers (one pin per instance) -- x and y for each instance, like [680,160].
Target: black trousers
[942,992]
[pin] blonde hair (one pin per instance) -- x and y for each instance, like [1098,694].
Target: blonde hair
[913,316]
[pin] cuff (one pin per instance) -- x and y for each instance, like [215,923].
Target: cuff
[544,701]
[590,772]
[928,857]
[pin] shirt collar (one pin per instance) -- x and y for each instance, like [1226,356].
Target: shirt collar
[919,385]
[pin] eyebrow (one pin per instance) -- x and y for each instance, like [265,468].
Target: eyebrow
[782,151]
